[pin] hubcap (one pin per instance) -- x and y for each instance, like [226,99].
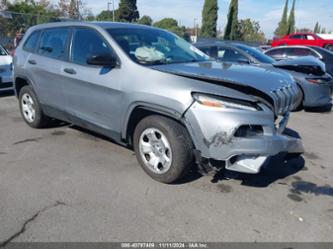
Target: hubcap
[28,108]
[155,150]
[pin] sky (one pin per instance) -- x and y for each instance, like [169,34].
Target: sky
[267,12]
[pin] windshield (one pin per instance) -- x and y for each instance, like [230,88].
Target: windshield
[261,57]
[322,51]
[154,47]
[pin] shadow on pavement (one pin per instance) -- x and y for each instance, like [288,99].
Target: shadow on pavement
[6,93]
[321,109]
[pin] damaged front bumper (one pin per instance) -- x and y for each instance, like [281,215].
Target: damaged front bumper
[238,140]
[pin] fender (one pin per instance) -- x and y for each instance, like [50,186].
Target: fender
[28,80]
[148,107]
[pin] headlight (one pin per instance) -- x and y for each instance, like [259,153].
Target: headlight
[226,103]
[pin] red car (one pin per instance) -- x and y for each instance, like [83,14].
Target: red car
[305,39]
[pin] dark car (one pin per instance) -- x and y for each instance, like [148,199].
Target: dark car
[303,39]
[281,53]
[309,73]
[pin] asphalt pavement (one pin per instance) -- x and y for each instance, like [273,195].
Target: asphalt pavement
[64,184]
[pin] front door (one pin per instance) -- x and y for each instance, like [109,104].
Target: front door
[93,93]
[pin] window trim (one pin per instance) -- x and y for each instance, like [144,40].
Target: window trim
[66,57]
[70,47]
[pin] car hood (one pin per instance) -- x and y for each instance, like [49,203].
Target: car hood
[305,64]
[262,78]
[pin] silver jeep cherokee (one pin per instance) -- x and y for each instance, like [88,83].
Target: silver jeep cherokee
[152,91]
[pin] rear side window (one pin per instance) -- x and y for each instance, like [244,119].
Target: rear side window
[53,43]
[299,52]
[31,43]
[297,37]
[276,52]
[87,42]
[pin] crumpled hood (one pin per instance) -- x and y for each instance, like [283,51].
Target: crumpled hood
[304,64]
[263,79]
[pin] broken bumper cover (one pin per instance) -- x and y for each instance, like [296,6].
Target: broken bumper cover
[214,132]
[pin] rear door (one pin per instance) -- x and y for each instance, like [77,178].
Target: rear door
[93,93]
[45,64]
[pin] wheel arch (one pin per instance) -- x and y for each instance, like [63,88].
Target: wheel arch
[141,110]
[19,82]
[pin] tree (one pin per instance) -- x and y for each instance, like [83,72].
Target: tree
[74,9]
[231,28]
[172,25]
[282,29]
[249,31]
[323,31]
[146,20]
[304,30]
[316,28]
[105,15]
[128,11]
[2,4]
[209,18]
[25,14]
[291,20]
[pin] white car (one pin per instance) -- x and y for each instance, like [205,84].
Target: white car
[6,71]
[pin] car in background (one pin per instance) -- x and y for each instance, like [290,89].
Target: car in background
[292,52]
[150,90]
[305,39]
[6,70]
[309,73]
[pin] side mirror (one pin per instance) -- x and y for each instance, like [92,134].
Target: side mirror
[102,60]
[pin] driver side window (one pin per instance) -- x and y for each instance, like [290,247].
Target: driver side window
[231,55]
[86,43]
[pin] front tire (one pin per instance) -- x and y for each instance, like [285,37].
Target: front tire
[31,110]
[163,148]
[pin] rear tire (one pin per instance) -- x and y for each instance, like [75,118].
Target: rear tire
[31,110]
[163,148]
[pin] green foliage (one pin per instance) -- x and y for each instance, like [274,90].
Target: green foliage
[249,31]
[304,30]
[128,11]
[291,20]
[209,18]
[231,28]
[282,29]
[106,15]
[146,20]
[25,14]
[317,28]
[171,25]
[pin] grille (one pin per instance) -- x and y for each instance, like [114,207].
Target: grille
[285,98]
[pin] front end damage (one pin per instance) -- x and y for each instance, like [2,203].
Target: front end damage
[237,140]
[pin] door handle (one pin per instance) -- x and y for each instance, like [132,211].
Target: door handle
[69,71]
[32,62]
